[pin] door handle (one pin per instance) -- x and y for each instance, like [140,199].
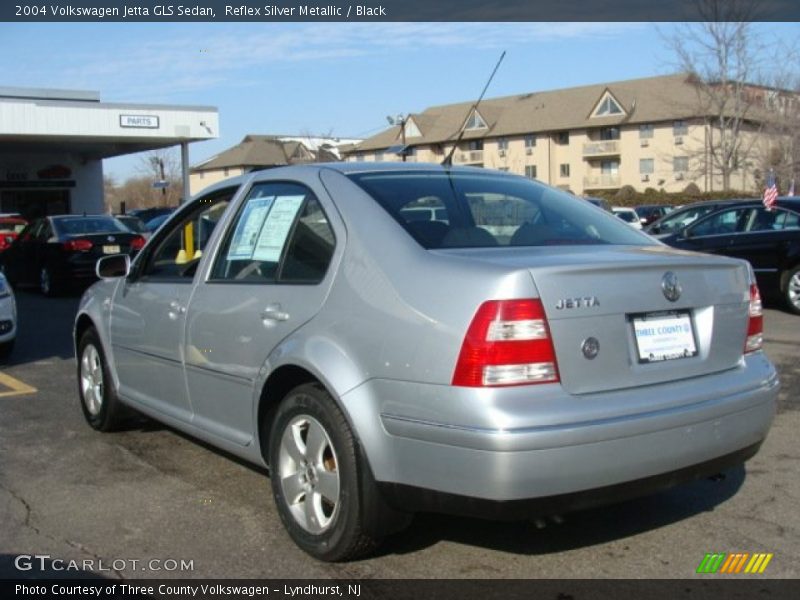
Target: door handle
[274,312]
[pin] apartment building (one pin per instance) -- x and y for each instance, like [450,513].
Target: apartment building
[258,152]
[646,133]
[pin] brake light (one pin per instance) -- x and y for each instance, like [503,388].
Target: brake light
[507,343]
[78,245]
[755,322]
[137,243]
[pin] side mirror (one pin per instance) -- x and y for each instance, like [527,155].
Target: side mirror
[687,233]
[111,267]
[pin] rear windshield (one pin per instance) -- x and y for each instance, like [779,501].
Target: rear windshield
[87,225]
[481,210]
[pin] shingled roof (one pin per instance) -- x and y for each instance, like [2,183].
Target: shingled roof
[647,100]
[259,151]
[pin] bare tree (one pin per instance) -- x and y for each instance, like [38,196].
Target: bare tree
[723,55]
[163,168]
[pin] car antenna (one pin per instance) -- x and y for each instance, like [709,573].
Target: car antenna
[448,161]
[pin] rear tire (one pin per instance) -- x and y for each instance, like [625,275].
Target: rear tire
[322,486]
[101,407]
[791,289]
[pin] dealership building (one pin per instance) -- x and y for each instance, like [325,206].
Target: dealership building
[53,142]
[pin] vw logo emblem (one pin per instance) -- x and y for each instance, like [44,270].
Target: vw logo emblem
[671,286]
[110,238]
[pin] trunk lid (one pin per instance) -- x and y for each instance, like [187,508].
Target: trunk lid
[600,292]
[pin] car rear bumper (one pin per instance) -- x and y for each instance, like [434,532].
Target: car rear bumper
[538,441]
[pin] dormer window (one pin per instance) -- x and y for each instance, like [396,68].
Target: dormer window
[411,128]
[608,107]
[475,121]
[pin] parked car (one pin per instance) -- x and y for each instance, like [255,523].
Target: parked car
[156,222]
[382,365]
[768,239]
[148,214]
[628,215]
[8,318]
[598,202]
[681,217]
[133,224]
[9,230]
[56,251]
[649,213]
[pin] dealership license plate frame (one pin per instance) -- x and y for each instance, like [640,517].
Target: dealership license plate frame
[644,352]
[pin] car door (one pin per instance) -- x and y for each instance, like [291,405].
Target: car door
[766,242]
[149,310]
[715,234]
[270,275]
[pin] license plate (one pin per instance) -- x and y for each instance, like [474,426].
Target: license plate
[664,336]
[109,249]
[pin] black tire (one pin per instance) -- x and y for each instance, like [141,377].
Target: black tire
[101,407]
[330,529]
[790,289]
[47,285]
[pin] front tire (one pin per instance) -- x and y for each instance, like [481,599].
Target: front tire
[323,488]
[101,407]
[791,289]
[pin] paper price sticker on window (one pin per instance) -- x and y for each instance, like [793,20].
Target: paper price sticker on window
[276,229]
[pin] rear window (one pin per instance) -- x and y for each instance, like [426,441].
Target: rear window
[87,225]
[480,210]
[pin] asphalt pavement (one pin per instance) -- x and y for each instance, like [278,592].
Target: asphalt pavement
[151,502]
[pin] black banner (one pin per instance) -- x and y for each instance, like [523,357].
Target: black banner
[710,588]
[390,10]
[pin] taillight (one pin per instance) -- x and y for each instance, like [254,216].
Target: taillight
[137,243]
[78,245]
[755,322]
[507,343]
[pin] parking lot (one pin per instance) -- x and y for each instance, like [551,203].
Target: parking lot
[149,499]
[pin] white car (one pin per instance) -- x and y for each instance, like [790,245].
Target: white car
[8,317]
[628,215]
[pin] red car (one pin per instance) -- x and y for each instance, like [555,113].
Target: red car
[9,230]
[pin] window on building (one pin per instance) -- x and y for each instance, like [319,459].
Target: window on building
[502,144]
[608,167]
[411,151]
[411,129]
[562,137]
[225,171]
[202,174]
[609,133]
[646,166]
[503,169]
[475,121]
[608,107]
[680,164]
[530,171]
[360,157]
[475,145]
[564,169]
[379,157]
[530,141]
[645,131]
[679,128]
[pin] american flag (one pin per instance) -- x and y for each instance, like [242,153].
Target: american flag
[770,192]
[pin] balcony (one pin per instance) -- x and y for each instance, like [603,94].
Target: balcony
[604,148]
[597,182]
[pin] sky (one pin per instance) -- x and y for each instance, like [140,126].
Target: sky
[338,79]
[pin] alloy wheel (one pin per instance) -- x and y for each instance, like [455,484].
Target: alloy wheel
[92,380]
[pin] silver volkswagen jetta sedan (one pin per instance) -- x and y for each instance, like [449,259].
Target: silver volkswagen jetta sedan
[522,354]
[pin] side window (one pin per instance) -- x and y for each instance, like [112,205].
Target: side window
[281,234]
[791,220]
[767,220]
[177,255]
[721,223]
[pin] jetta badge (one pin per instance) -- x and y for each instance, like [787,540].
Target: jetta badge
[671,286]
